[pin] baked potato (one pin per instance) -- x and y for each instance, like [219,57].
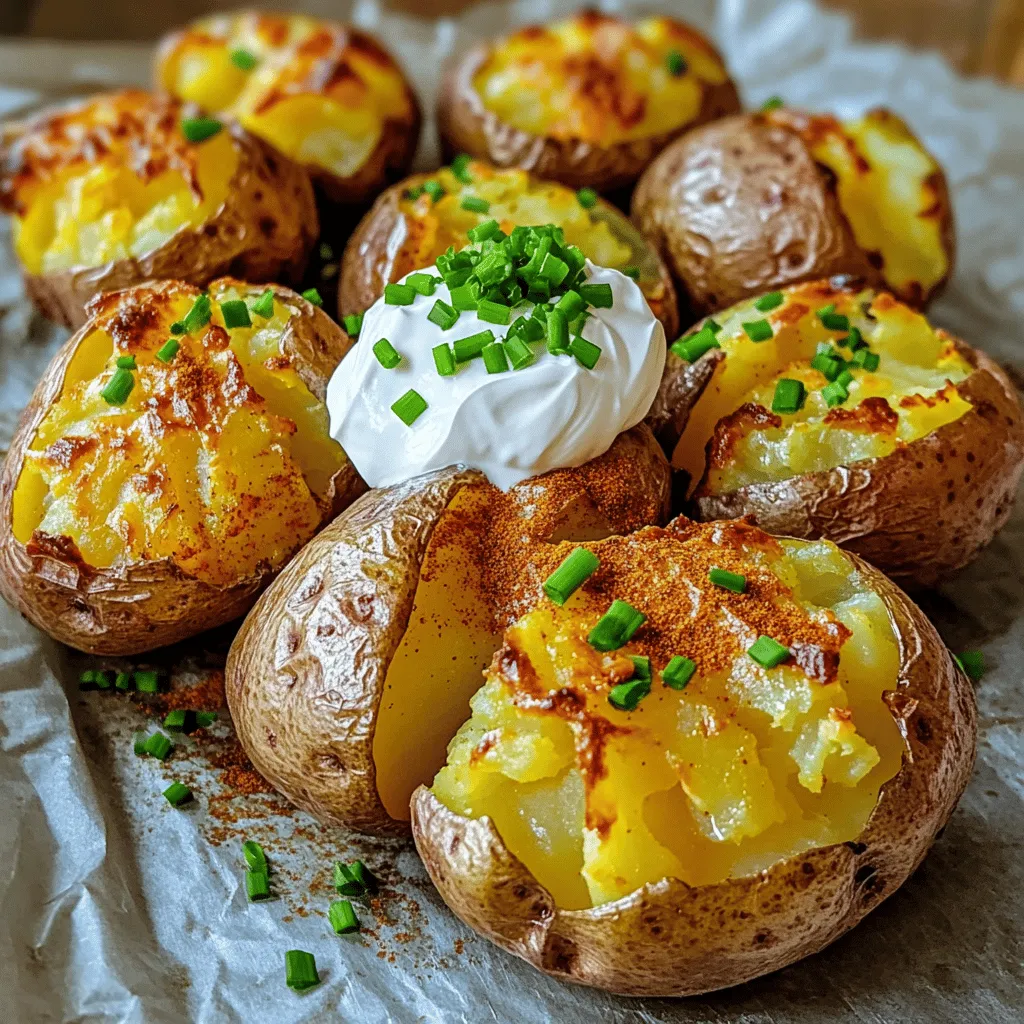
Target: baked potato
[683,807]
[409,226]
[110,192]
[587,101]
[832,410]
[325,94]
[763,200]
[173,457]
[380,627]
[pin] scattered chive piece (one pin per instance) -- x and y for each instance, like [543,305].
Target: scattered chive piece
[676,63]
[471,347]
[414,193]
[199,315]
[147,680]
[312,295]
[586,352]
[158,745]
[825,364]
[353,324]
[87,680]
[444,360]
[300,970]
[557,331]
[177,793]
[853,340]
[733,581]
[973,663]
[678,672]
[641,666]
[104,680]
[773,103]
[168,350]
[123,681]
[399,295]
[345,880]
[845,379]
[866,359]
[423,283]
[235,313]
[257,886]
[243,60]
[264,305]
[342,917]
[475,204]
[139,743]
[633,272]
[118,388]
[255,858]
[574,571]
[768,652]
[758,330]
[204,719]
[494,357]
[768,302]
[387,355]
[712,325]
[465,296]
[176,719]
[199,129]
[789,396]
[587,198]
[616,627]
[126,363]
[482,232]
[834,394]
[409,407]
[626,696]
[326,252]
[363,874]
[493,312]
[434,189]
[570,303]
[553,269]
[178,327]
[692,348]
[460,168]
[831,320]
[519,354]
[443,315]
[597,295]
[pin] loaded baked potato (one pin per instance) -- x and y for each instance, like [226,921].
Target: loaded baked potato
[128,186]
[716,775]
[379,629]
[588,101]
[415,221]
[173,457]
[762,200]
[831,410]
[325,94]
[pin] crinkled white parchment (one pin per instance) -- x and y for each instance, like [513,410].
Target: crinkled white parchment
[116,907]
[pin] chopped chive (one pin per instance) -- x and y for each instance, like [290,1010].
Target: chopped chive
[204,719]
[443,315]
[126,363]
[475,204]
[520,355]
[465,296]
[199,129]
[973,664]
[616,627]
[363,874]
[827,365]
[413,193]
[586,352]
[409,407]
[178,327]
[123,681]
[158,745]
[692,348]
[676,63]
[434,189]
[773,103]
[257,886]
[345,880]
[342,917]
[264,305]
[832,320]
[255,858]
[866,359]
[104,680]
[845,379]
[300,970]
[768,652]
[87,680]
[570,303]
[168,350]
[482,232]
[460,168]
[353,324]
[494,357]
[641,666]
[633,272]
[553,269]
[758,330]
[769,302]
[147,680]
[853,340]
[471,347]
[834,394]
[313,296]
[587,198]
[712,325]
[493,312]
[177,720]
[678,672]
[199,315]
[177,793]
[734,581]
[444,360]
[597,295]
[557,332]
[118,388]
[626,696]
[789,396]
[235,313]
[243,60]
[573,572]
[399,295]
[423,283]
[139,743]
[387,355]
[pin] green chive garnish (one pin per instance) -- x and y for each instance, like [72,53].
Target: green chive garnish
[557,332]
[158,745]
[325,251]
[87,680]
[633,272]
[587,198]
[177,793]
[693,347]
[257,886]
[826,364]
[255,858]
[831,320]
[126,363]
[118,388]
[574,571]
[243,60]
[586,352]
[678,672]
[494,357]
[168,350]
[235,313]
[973,663]
[712,325]
[300,970]
[413,193]
[460,168]
[553,269]
[845,379]
[434,189]
[570,303]
[199,315]
[443,315]
[409,407]
[789,396]
[399,294]
[123,681]
[493,312]
[346,882]
[353,324]
[139,740]
[387,355]
[482,232]
[465,296]
[471,347]
[178,327]
[768,652]
[176,720]
[104,680]
[199,129]
[773,103]
[758,330]
[313,296]
[834,394]
[423,283]
[733,581]
[769,302]
[854,340]
[641,666]
[264,305]
[475,204]
[147,680]
[520,355]
[866,359]
[342,917]
[626,696]
[676,63]
[597,295]
[204,719]
[616,627]
[444,360]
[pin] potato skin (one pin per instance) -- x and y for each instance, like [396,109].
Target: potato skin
[903,513]
[141,606]
[466,125]
[307,670]
[667,938]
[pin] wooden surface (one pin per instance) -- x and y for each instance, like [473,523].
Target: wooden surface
[976,36]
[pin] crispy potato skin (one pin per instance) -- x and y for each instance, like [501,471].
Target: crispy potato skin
[306,672]
[739,207]
[243,239]
[904,513]
[669,939]
[466,125]
[144,605]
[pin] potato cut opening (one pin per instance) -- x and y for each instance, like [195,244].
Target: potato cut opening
[720,776]
[218,458]
[739,433]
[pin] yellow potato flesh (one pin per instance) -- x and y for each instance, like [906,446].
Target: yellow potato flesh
[220,496]
[914,360]
[737,771]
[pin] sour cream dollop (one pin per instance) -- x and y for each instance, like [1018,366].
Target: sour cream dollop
[553,414]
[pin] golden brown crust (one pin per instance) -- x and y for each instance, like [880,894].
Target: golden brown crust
[683,940]
[141,606]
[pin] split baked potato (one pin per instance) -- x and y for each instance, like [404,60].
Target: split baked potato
[173,457]
[415,221]
[683,806]
[128,186]
[832,410]
[353,671]
[327,95]
[763,200]
[587,101]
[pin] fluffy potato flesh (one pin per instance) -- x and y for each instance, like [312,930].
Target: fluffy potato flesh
[598,79]
[316,90]
[215,460]
[742,768]
[734,438]
[111,179]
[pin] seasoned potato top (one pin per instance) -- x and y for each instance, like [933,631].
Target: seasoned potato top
[175,436]
[321,92]
[110,178]
[604,769]
[596,78]
[815,377]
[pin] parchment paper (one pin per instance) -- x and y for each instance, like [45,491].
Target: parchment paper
[116,907]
